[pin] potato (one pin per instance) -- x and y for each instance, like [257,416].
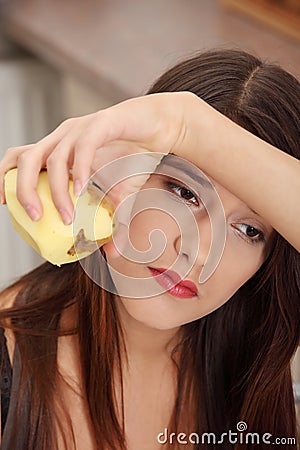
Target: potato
[58,243]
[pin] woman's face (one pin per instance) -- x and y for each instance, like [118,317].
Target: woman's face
[246,236]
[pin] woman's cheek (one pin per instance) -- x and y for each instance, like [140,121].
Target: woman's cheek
[116,247]
[234,270]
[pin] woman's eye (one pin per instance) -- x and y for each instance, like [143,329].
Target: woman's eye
[183,192]
[254,235]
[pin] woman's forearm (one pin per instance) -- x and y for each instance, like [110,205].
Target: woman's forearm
[265,178]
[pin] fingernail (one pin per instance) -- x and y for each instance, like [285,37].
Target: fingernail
[77,187]
[66,216]
[32,212]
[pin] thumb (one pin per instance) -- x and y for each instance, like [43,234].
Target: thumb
[121,178]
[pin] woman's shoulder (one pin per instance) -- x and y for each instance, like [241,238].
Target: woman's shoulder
[7,300]
[8,296]
[7,347]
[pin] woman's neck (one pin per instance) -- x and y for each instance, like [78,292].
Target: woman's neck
[144,343]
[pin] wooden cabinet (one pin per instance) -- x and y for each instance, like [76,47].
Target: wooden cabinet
[283,15]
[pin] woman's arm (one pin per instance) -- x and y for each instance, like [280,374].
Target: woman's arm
[265,178]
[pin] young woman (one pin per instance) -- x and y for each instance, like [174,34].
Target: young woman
[97,370]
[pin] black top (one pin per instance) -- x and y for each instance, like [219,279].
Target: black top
[5,379]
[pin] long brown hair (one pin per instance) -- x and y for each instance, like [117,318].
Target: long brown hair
[234,364]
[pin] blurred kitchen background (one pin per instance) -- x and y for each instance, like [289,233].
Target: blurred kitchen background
[62,58]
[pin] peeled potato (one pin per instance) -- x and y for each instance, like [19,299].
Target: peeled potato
[50,237]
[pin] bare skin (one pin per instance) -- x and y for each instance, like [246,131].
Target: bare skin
[145,414]
[183,124]
[171,122]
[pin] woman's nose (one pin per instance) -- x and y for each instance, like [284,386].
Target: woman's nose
[203,249]
[193,243]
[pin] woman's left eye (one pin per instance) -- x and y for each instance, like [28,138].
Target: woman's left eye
[183,192]
[252,234]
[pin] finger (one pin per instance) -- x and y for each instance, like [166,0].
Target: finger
[103,128]
[34,161]
[29,160]
[121,169]
[9,161]
[58,167]
[29,165]
[59,164]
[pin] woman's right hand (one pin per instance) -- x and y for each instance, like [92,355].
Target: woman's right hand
[153,123]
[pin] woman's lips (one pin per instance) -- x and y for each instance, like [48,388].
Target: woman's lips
[171,281]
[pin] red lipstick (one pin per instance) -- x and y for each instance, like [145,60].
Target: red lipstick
[171,281]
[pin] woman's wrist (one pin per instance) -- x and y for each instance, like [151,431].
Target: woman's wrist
[200,140]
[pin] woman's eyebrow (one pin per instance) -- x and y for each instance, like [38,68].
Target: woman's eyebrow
[268,226]
[254,212]
[182,167]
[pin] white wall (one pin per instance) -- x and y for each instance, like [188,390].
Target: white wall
[34,99]
[30,107]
